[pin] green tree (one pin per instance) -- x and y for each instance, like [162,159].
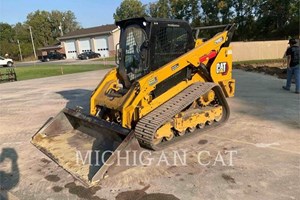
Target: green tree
[245,12]
[210,12]
[195,13]
[66,20]
[130,9]
[159,9]
[278,18]
[7,32]
[7,43]
[45,25]
[175,9]
[225,11]
[22,34]
[152,9]
[293,23]
[163,9]
[40,22]
[180,9]
[45,30]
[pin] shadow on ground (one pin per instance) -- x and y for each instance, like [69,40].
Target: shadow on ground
[9,177]
[77,97]
[142,195]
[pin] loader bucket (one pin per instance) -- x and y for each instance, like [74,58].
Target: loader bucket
[86,147]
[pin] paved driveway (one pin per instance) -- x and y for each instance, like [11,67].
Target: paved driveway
[263,131]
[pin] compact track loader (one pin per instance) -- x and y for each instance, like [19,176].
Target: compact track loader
[167,84]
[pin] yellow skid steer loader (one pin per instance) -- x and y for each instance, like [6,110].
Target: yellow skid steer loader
[167,84]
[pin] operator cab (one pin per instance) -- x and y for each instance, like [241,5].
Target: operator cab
[147,44]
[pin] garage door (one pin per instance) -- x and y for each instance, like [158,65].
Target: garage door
[84,45]
[101,46]
[70,49]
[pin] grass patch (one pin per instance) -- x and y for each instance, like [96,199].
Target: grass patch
[280,60]
[106,58]
[41,71]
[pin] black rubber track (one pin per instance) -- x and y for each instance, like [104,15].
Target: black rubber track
[148,125]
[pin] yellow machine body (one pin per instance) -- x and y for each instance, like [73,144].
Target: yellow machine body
[142,103]
[134,106]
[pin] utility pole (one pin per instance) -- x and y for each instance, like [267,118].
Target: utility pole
[21,57]
[61,30]
[32,42]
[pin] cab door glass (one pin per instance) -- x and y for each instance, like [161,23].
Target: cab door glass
[135,38]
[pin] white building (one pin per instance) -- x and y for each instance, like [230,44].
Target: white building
[100,39]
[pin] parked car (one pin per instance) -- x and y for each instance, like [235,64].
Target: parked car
[6,62]
[53,56]
[88,55]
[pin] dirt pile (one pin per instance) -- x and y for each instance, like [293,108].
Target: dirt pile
[277,71]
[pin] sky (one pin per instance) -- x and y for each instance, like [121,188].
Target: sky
[89,13]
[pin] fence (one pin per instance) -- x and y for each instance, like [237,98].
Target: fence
[8,76]
[261,50]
